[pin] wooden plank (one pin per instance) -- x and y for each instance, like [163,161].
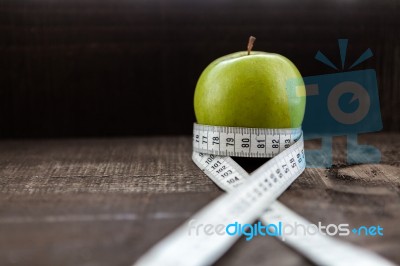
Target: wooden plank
[106,201]
[90,68]
[117,165]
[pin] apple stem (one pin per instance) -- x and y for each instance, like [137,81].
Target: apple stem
[252,39]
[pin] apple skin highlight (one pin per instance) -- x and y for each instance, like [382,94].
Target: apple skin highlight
[246,89]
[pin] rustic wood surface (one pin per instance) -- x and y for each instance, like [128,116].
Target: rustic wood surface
[92,67]
[107,201]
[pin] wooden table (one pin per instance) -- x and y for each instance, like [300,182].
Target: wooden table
[106,201]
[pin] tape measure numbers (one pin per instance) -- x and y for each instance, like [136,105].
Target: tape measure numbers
[248,199]
[243,142]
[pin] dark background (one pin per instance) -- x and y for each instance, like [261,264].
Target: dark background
[74,68]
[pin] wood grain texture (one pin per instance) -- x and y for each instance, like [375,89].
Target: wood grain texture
[93,68]
[107,201]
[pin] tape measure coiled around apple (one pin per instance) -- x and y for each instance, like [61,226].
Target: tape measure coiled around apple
[250,197]
[243,142]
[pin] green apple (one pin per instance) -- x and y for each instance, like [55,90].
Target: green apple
[249,89]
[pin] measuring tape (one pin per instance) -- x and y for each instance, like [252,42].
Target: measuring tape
[250,197]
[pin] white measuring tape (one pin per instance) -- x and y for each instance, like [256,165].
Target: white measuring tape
[250,197]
